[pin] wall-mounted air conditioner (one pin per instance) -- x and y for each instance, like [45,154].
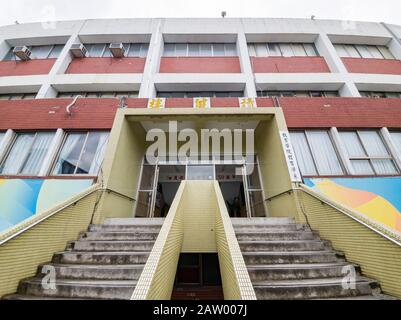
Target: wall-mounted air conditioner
[22,52]
[78,50]
[117,50]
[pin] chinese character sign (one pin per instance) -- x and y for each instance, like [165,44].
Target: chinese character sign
[201,103]
[157,103]
[247,102]
[290,157]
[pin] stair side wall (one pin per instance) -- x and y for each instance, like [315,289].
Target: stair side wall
[20,256]
[378,257]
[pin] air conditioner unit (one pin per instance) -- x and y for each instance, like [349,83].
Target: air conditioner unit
[78,50]
[117,50]
[22,52]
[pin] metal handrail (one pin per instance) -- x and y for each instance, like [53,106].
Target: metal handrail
[289,191]
[353,214]
[117,193]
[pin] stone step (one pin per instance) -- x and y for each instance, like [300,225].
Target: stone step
[263,221]
[271,228]
[119,235]
[95,272]
[374,296]
[87,245]
[298,271]
[123,228]
[285,245]
[26,297]
[289,257]
[82,257]
[135,221]
[279,235]
[67,288]
[312,288]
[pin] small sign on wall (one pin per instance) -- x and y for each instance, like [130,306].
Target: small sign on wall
[201,103]
[247,102]
[157,103]
[292,164]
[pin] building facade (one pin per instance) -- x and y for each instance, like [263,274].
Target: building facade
[316,105]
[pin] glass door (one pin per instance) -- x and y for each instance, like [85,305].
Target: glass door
[254,197]
[147,191]
[200,172]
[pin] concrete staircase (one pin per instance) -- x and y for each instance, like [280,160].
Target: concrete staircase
[104,263]
[286,260]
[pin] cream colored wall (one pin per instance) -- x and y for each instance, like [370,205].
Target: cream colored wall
[273,166]
[21,255]
[235,279]
[121,168]
[157,278]
[378,257]
[185,231]
[127,146]
[199,217]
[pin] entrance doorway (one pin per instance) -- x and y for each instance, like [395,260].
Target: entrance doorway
[240,184]
[198,277]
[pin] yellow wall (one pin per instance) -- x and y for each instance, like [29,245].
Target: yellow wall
[157,279]
[378,257]
[273,167]
[185,231]
[121,168]
[199,217]
[20,256]
[127,146]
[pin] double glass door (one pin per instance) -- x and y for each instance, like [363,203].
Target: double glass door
[150,193]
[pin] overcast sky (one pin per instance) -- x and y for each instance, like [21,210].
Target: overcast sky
[49,10]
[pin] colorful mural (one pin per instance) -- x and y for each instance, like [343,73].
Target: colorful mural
[23,198]
[377,198]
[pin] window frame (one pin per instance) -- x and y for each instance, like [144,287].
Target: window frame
[199,51]
[28,152]
[311,152]
[370,158]
[60,149]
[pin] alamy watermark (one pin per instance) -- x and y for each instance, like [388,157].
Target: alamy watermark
[235,146]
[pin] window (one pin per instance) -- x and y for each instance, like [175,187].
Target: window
[367,153]
[16,96]
[2,134]
[38,52]
[114,94]
[199,49]
[282,49]
[371,94]
[195,94]
[363,51]
[82,153]
[265,93]
[27,153]
[131,49]
[315,153]
[395,136]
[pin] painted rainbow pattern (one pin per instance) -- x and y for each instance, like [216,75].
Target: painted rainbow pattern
[377,198]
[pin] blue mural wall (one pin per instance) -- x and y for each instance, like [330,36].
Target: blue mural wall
[23,198]
[378,198]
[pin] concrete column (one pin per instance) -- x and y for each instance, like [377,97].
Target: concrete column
[4,48]
[5,143]
[61,64]
[152,64]
[326,49]
[51,153]
[246,67]
[390,144]
[395,44]
[342,152]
